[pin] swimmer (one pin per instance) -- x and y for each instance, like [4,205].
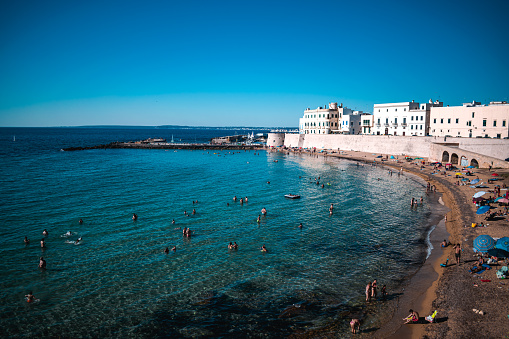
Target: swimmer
[30,297]
[42,263]
[268,182]
[43,244]
[27,241]
[227,204]
[235,246]
[135,217]
[331,208]
[184,230]
[258,219]
[194,211]
[230,246]
[174,249]
[245,200]
[77,241]
[241,201]
[173,221]
[81,221]
[235,198]
[323,185]
[264,211]
[166,250]
[300,225]
[264,249]
[45,233]
[68,233]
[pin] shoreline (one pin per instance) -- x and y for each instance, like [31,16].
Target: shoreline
[451,290]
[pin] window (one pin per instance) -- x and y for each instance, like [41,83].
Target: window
[469,123]
[494,123]
[379,121]
[411,126]
[404,109]
[404,120]
[395,110]
[422,117]
[484,122]
[503,123]
[421,126]
[434,121]
[457,120]
[441,121]
[395,120]
[422,107]
[449,120]
[386,120]
[412,118]
[387,110]
[473,113]
[499,136]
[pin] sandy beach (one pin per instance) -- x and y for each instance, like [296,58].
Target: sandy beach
[452,291]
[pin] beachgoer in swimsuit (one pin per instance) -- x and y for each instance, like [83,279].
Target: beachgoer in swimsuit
[264,211]
[373,289]
[355,325]
[30,297]
[457,253]
[81,221]
[235,246]
[230,246]
[166,250]
[27,241]
[173,221]
[412,317]
[258,219]
[300,225]
[264,249]
[235,198]
[78,240]
[194,211]
[135,217]
[174,249]
[42,262]
[43,244]
[45,233]
[331,208]
[384,291]
[444,243]
[368,291]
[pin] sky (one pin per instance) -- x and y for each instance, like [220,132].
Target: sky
[242,63]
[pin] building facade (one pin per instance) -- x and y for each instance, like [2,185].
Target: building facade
[472,120]
[403,118]
[323,120]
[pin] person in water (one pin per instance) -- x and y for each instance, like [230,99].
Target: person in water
[42,262]
[45,233]
[258,219]
[135,217]
[300,225]
[331,208]
[373,289]
[235,246]
[264,211]
[174,249]
[77,241]
[27,241]
[173,221]
[43,244]
[81,221]
[230,246]
[166,250]
[264,249]
[30,297]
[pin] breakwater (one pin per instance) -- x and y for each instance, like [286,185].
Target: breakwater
[139,145]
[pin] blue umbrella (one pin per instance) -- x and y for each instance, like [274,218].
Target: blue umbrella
[497,252]
[479,194]
[470,166]
[503,244]
[483,209]
[497,199]
[475,181]
[484,243]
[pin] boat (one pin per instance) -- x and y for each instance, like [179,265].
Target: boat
[292,196]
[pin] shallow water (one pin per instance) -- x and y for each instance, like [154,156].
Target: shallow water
[117,282]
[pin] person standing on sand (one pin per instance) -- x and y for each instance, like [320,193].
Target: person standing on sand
[355,325]
[457,254]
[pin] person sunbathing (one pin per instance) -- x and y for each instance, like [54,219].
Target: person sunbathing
[412,317]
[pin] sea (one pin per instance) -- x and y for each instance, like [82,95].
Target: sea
[117,282]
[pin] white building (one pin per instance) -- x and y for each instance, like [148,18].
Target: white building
[403,118]
[351,123]
[323,120]
[471,120]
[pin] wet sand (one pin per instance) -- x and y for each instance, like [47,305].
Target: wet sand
[451,290]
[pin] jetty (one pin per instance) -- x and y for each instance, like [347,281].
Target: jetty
[162,144]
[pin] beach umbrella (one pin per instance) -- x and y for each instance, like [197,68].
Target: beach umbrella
[499,253]
[458,173]
[483,209]
[503,244]
[497,199]
[470,166]
[392,156]
[494,175]
[483,243]
[479,194]
[503,201]
[475,181]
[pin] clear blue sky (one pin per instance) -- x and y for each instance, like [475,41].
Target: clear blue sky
[242,63]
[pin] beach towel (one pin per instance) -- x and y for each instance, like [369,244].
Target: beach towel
[481,271]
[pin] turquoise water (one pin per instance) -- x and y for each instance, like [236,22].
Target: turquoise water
[118,282]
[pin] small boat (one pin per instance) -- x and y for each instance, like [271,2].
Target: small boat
[292,196]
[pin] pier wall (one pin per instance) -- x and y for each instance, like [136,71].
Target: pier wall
[486,152]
